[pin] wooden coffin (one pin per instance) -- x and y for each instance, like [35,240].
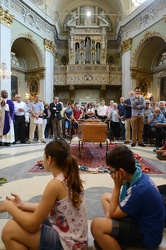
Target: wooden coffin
[92,131]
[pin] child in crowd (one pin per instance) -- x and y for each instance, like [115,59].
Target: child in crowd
[68,114]
[59,221]
[89,111]
[135,215]
[77,112]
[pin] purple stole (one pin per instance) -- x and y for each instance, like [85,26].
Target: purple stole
[6,119]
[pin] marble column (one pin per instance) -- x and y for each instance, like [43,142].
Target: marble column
[72,93]
[5,48]
[103,92]
[47,85]
[126,56]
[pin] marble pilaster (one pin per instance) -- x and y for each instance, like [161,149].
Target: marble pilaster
[126,55]
[5,47]
[48,83]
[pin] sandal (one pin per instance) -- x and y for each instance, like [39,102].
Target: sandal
[161,157]
[145,169]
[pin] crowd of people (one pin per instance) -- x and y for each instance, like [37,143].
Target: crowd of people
[131,120]
[59,221]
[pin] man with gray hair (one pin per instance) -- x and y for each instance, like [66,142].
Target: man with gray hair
[20,110]
[137,117]
[156,120]
[36,120]
[55,109]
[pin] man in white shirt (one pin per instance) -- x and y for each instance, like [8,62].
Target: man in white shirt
[102,110]
[20,110]
[36,110]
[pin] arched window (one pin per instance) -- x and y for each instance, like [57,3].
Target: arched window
[137,2]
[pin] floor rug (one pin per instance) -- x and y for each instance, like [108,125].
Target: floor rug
[92,159]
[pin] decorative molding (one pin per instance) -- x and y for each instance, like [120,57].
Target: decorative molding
[36,74]
[133,25]
[49,45]
[71,87]
[139,74]
[88,75]
[88,79]
[149,34]
[59,80]
[129,26]
[31,19]
[5,17]
[29,36]
[103,87]
[126,45]
[116,79]
[161,74]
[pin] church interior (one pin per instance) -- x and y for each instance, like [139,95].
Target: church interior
[83,52]
[80,52]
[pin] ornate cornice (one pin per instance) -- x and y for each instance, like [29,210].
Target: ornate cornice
[161,74]
[149,34]
[49,45]
[5,17]
[138,73]
[37,74]
[126,45]
[140,20]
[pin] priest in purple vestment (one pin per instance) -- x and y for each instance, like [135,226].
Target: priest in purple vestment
[8,128]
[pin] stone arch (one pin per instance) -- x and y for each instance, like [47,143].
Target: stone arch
[32,63]
[144,61]
[28,38]
[150,39]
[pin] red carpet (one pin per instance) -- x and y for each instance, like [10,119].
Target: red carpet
[93,159]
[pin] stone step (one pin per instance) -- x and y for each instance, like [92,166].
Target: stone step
[90,239]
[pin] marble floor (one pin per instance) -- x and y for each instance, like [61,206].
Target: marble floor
[16,160]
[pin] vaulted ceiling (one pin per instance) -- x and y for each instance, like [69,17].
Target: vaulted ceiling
[110,6]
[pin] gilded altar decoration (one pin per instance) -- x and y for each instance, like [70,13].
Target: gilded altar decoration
[5,17]
[49,45]
[126,45]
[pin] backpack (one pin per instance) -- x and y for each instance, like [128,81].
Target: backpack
[162,190]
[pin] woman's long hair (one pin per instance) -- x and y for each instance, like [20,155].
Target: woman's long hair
[60,151]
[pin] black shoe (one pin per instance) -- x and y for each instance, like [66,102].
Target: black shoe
[133,145]
[7,144]
[141,144]
[126,142]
